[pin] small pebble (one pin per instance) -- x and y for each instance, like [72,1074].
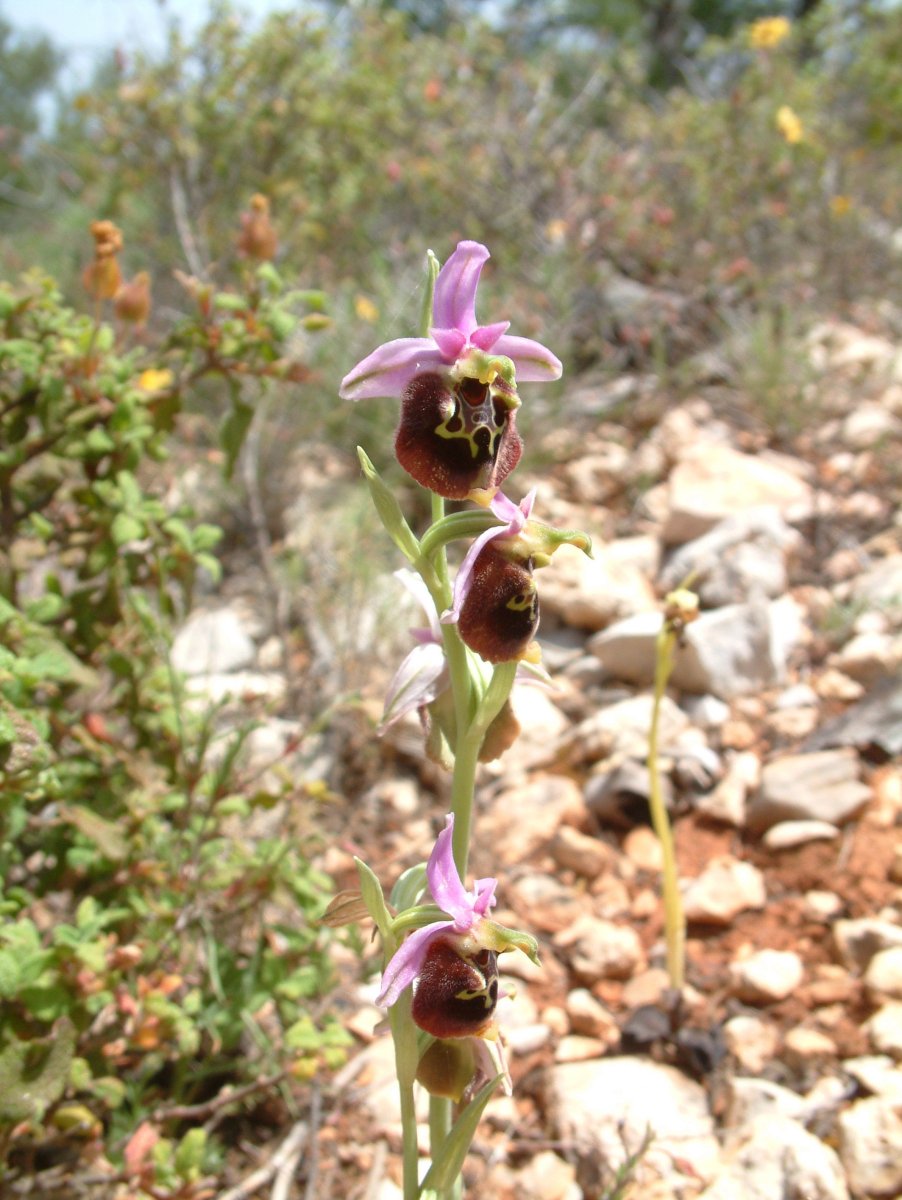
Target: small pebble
[766,976]
[803,1045]
[787,834]
[883,978]
[822,906]
[752,1041]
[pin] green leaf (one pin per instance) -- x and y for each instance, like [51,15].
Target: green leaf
[179,531]
[268,274]
[53,662]
[232,433]
[34,1074]
[282,324]
[99,442]
[206,536]
[109,1089]
[189,1156]
[409,887]
[312,299]
[447,1166]
[373,898]
[389,510]
[86,913]
[8,733]
[229,302]
[41,526]
[211,565]
[126,528]
[46,608]
[9,974]
[303,1035]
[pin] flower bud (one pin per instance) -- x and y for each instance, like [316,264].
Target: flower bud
[500,735]
[258,238]
[447,1067]
[102,277]
[132,300]
[457,436]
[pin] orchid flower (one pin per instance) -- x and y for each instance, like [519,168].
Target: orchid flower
[495,604]
[454,334]
[458,387]
[514,517]
[466,911]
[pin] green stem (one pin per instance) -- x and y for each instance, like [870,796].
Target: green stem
[441,1118]
[404,1035]
[463,786]
[674,921]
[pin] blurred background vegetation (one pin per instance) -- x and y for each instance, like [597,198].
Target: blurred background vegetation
[656,180]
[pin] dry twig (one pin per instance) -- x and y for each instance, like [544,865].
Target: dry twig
[287,1154]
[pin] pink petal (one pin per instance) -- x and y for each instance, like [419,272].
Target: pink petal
[454,303]
[389,369]
[449,341]
[407,962]
[416,682]
[514,515]
[534,362]
[486,336]
[485,895]
[444,880]
[417,588]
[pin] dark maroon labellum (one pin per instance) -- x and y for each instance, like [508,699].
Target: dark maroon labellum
[454,439]
[500,615]
[456,994]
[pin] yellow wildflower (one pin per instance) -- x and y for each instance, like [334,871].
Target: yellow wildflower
[154,379]
[789,125]
[840,205]
[769,32]
[365,309]
[556,230]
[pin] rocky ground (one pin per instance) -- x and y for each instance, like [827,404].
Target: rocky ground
[778,1073]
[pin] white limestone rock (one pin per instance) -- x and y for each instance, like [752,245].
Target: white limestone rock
[590,593]
[766,976]
[724,889]
[606,1106]
[821,786]
[743,556]
[870,1145]
[214,642]
[600,949]
[778,1157]
[727,652]
[713,481]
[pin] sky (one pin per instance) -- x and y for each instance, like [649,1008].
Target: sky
[87,28]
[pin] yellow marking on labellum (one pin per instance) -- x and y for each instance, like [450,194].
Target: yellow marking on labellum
[482,992]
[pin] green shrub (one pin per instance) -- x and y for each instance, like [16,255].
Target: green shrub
[148,952]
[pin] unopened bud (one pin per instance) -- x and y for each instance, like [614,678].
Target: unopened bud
[258,238]
[132,300]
